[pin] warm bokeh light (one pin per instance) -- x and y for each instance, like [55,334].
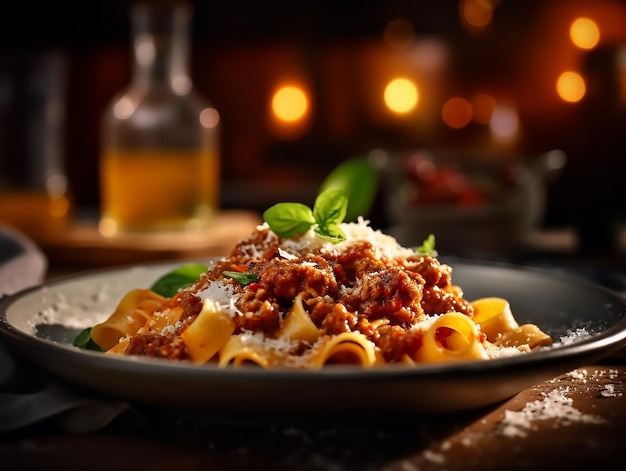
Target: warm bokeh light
[457,112]
[483,105]
[145,49]
[429,55]
[504,123]
[181,84]
[124,107]
[570,87]
[476,14]
[290,103]
[401,95]
[399,34]
[107,227]
[59,207]
[584,33]
[209,118]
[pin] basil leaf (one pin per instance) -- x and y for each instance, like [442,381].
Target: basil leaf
[330,207]
[84,341]
[244,278]
[182,277]
[332,233]
[329,210]
[289,219]
[359,179]
[428,246]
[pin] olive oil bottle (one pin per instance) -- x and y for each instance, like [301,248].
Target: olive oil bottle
[159,162]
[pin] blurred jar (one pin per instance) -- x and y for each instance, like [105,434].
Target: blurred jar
[33,185]
[159,163]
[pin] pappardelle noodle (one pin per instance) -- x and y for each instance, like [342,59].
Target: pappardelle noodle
[306,301]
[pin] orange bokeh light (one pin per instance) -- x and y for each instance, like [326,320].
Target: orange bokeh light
[571,87]
[584,33]
[457,112]
[290,103]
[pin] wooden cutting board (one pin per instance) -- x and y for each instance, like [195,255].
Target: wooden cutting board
[81,245]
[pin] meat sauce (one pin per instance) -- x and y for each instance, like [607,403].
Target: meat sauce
[348,290]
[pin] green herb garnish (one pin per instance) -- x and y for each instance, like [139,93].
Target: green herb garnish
[329,210]
[289,219]
[359,179]
[84,341]
[245,278]
[182,277]
[428,246]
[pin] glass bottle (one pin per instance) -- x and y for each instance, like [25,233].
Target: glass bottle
[159,164]
[34,196]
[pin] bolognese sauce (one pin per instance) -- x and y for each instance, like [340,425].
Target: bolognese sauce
[347,289]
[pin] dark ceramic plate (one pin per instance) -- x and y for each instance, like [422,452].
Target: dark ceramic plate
[587,322]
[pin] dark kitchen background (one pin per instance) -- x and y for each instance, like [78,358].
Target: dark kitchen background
[496,56]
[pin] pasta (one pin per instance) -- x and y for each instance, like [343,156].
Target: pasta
[131,314]
[303,302]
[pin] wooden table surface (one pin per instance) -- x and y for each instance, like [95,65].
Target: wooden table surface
[573,421]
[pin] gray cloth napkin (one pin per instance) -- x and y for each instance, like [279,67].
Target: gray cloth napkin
[22,264]
[29,395]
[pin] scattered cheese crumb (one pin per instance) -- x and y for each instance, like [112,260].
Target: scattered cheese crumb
[573,336]
[286,255]
[434,457]
[554,405]
[609,391]
[598,377]
[580,374]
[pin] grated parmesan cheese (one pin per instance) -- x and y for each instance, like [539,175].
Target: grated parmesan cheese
[579,374]
[222,294]
[573,336]
[171,329]
[384,245]
[258,341]
[257,338]
[555,406]
[286,255]
[502,352]
[434,457]
[609,391]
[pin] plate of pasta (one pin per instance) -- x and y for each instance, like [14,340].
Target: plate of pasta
[315,319]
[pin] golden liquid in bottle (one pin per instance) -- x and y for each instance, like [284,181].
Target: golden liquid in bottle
[158,190]
[33,211]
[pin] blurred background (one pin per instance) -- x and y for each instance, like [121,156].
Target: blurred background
[514,79]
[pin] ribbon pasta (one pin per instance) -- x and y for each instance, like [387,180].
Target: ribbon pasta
[345,348]
[209,333]
[499,325]
[308,304]
[132,313]
[452,336]
[249,349]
